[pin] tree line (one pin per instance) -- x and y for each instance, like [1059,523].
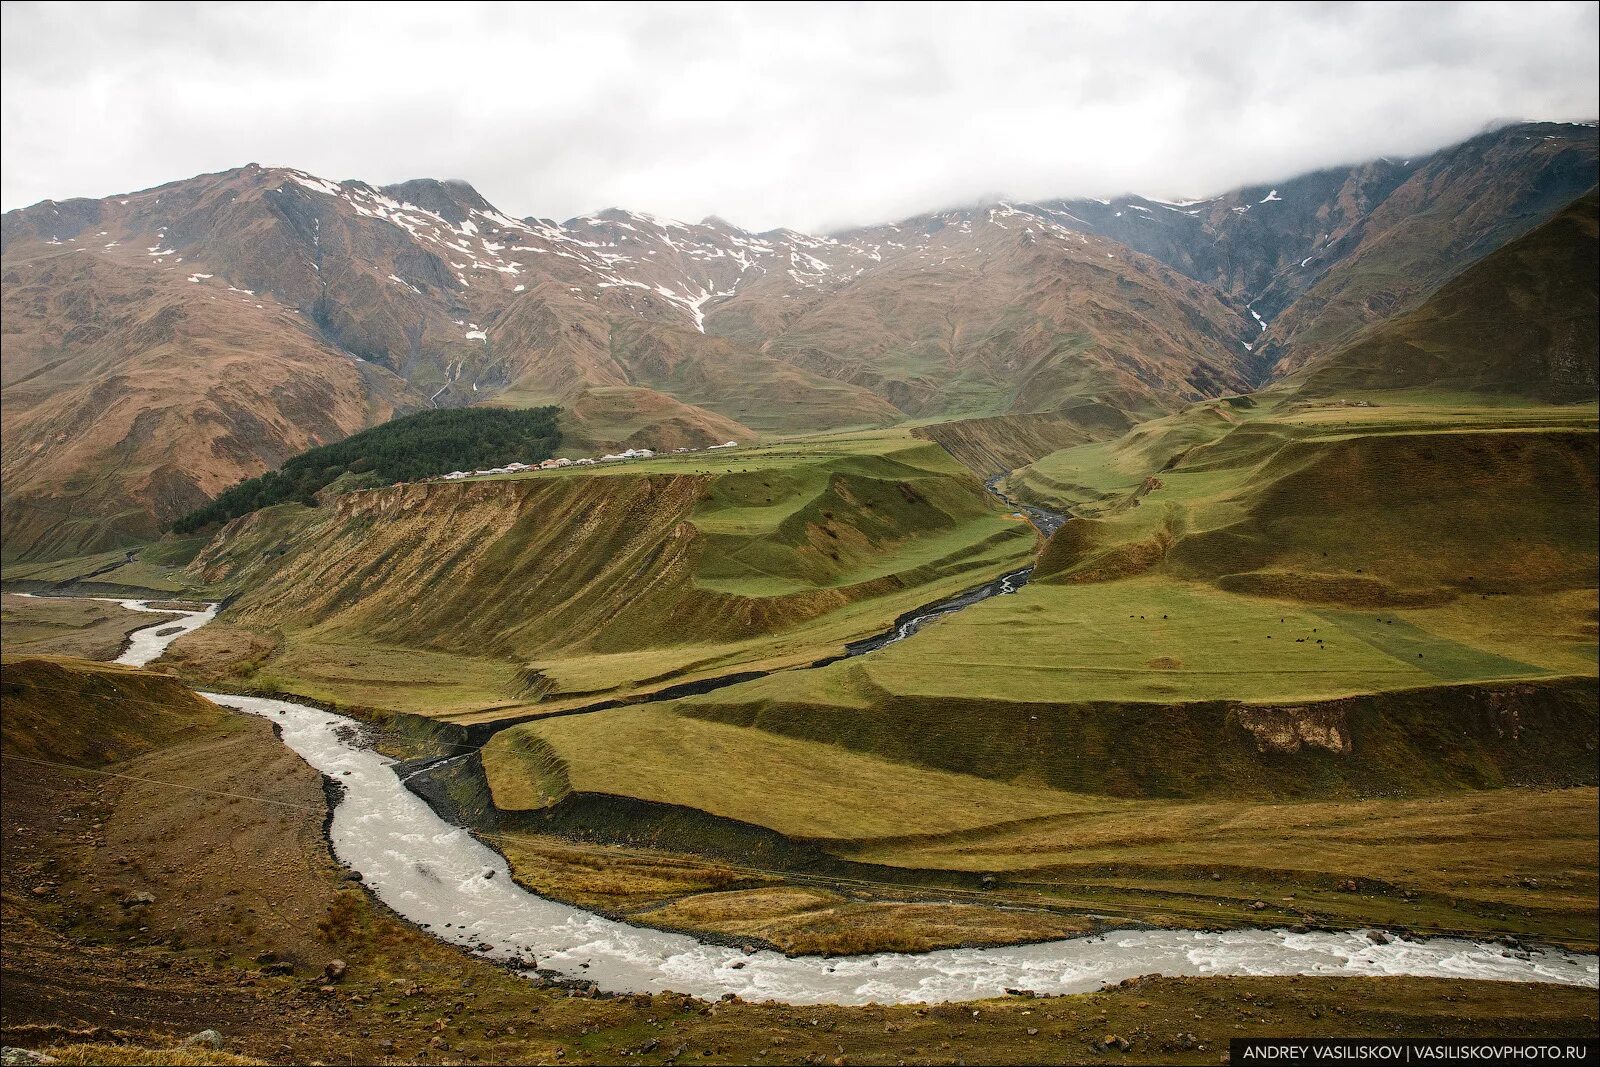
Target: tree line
[423,445]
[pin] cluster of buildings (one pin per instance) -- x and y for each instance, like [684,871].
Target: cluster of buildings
[552,464]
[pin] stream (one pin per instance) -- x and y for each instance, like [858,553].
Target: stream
[460,890]
[1045,521]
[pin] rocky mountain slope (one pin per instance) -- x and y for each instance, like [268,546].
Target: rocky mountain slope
[132,395]
[1318,256]
[1458,206]
[162,345]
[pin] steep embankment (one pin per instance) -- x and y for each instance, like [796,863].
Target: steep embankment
[90,714]
[584,584]
[1419,742]
[1440,809]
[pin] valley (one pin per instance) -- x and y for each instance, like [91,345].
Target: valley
[1133,689]
[750,982]
[977,763]
[1077,632]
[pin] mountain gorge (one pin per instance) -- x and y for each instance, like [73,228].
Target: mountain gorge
[162,345]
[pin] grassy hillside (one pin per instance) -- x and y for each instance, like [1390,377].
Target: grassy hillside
[1523,320]
[1326,504]
[1278,620]
[61,709]
[422,445]
[564,587]
[1297,548]
[842,781]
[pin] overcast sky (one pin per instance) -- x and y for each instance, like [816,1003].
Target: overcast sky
[810,116]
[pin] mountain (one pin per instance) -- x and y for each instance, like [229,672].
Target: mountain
[162,345]
[995,310]
[1456,207]
[1251,244]
[1522,320]
[132,395]
[1314,258]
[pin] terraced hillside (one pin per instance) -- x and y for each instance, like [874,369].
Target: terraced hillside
[1277,620]
[1325,503]
[543,591]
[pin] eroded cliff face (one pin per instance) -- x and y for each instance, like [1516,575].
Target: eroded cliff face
[1288,729]
[603,563]
[487,568]
[1494,716]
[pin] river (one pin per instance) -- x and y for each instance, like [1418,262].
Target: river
[445,880]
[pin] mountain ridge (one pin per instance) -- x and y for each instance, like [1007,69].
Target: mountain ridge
[423,294]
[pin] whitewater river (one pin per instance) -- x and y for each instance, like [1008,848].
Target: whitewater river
[442,878]
[148,644]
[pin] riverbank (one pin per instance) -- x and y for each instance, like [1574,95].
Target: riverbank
[801,900]
[77,968]
[453,885]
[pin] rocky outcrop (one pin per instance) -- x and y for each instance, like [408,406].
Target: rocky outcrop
[1287,729]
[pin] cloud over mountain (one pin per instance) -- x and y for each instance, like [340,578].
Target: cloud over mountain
[809,117]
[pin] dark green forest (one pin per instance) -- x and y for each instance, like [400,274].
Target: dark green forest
[423,445]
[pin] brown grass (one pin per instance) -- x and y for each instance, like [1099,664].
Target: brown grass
[804,922]
[143,1056]
[89,629]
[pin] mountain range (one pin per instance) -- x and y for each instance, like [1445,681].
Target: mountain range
[162,345]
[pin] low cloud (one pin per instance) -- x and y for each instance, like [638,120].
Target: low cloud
[769,115]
